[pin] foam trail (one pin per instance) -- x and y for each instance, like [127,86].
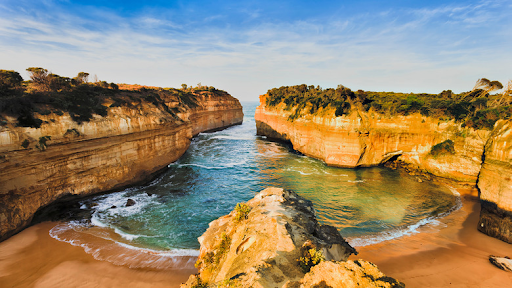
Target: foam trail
[412,229]
[122,254]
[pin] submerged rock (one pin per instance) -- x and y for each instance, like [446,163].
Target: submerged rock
[275,240]
[130,202]
[504,263]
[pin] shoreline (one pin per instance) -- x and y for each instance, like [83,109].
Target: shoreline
[449,253]
[453,253]
[32,258]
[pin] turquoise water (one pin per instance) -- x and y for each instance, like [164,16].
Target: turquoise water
[223,168]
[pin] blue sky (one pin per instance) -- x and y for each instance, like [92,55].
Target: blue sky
[248,47]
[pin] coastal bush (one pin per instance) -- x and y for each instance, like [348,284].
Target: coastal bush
[310,257]
[474,109]
[223,248]
[199,283]
[229,283]
[211,259]
[42,142]
[47,93]
[242,211]
[10,81]
[443,148]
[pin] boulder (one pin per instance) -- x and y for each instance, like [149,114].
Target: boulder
[276,242]
[504,263]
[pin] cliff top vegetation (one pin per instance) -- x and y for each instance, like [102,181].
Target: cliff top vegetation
[477,108]
[47,93]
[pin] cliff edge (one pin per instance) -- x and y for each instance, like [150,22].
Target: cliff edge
[140,133]
[274,240]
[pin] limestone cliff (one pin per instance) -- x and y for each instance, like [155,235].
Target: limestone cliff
[133,142]
[495,184]
[362,139]
[275,241]
[369,139]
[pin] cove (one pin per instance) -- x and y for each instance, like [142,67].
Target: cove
[220,169]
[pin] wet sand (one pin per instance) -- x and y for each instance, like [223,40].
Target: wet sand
[34,259]
[450,254]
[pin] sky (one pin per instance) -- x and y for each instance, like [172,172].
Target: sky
[248,47]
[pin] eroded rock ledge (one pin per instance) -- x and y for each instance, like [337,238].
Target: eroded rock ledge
[263,249]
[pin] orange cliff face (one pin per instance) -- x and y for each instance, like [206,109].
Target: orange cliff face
[128,146]
[364,139]
[495,184]
[368,139]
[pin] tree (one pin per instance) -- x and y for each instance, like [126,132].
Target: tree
[81,78]
[39,77]
[487,86]
[57,82]
[184,86]
[10,80]
[506,96]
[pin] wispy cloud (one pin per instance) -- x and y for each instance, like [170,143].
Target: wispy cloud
[402,49]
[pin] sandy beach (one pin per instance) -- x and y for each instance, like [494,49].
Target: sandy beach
[34,259]
[451,253]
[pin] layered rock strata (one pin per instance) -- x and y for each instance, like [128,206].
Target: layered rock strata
[266,248]
[495,184]
[362,139]
[129,145]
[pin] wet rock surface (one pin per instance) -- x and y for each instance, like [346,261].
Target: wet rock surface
[504,263]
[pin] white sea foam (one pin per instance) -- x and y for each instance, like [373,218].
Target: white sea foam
[411,229]
[124,254]
[224,166]
[388,235]
[229,137]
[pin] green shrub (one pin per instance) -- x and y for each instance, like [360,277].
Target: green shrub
[42,142]
[211,259]
[229,283]
[443,148]
[242,211]
[310,257]
[199,283]
[223,248]
[25,143]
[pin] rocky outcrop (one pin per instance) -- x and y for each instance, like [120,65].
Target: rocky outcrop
[275,241]
[363,139]
[504,263]
[495,184]
[129,145]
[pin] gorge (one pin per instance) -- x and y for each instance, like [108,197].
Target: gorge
[223,168]
[359,138]
[131,144]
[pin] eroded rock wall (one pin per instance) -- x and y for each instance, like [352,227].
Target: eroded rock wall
[129,145]
[264,249]
[368,139]
[495,184]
